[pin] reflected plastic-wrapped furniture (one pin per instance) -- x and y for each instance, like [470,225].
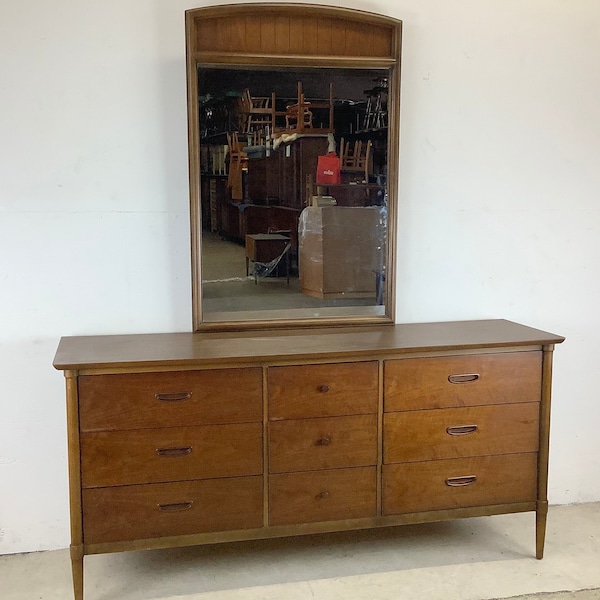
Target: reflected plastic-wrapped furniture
[341,251]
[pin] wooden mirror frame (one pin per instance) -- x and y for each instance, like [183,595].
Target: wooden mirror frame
[295,36]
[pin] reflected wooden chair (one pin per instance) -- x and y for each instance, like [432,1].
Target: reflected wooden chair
[298,116]
[356,158]
[238,161]
[258,112]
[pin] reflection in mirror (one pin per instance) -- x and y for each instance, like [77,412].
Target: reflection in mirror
[294,203]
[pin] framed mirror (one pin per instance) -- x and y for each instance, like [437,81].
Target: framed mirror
[293,152]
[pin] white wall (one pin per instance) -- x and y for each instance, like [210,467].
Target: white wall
[499,216]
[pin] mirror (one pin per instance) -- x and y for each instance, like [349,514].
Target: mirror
[293,139]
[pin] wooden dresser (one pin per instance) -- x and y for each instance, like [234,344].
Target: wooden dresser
[193,438]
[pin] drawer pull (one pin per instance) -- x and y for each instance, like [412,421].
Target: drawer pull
[461,429]
[463,378]
[173,397]
[461,481]
[324,494]
[323,388]
[176,507]
[174,452]
[324,441]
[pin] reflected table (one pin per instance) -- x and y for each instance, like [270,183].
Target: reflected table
[265,248]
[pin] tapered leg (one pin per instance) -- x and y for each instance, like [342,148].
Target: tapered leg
[544,448]
[540,528]
[77,569]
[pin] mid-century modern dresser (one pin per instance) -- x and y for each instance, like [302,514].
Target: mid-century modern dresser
[193,438]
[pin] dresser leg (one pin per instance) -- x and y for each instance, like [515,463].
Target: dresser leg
[77,570]
[540,528]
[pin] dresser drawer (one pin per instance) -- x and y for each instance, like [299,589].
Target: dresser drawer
[460,432]
[323,390]
[170,454]
[327,443]
[459,483]
[322,496]
[443,382]
[146,400]
[149,511]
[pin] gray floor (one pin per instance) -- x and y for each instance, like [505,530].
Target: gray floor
[472,559]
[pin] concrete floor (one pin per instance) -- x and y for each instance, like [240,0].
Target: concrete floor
[472,559]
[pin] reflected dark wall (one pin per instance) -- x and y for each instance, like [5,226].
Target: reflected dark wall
[220,88]
[349,84]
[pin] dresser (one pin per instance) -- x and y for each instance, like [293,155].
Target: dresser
[194,438]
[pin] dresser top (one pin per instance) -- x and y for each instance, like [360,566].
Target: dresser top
[188,349]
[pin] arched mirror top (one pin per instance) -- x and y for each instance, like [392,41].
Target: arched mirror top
[293,141]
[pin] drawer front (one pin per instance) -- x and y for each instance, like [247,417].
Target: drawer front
[136,512]
[172,454]
[459,483]
[323,390]
[146,400]
[322,496]
[328,443]
[470,380]
[460,432]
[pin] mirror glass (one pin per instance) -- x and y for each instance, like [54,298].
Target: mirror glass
[293,148]
[294,203]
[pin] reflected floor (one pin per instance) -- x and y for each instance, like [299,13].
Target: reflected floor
[227,288]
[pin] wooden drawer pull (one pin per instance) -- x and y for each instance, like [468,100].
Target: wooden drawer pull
[324,441]
[463,378]
[176,507]
[173,397]
[461,429]
[324,494]
[323,388]
[461,481]
[173,452]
